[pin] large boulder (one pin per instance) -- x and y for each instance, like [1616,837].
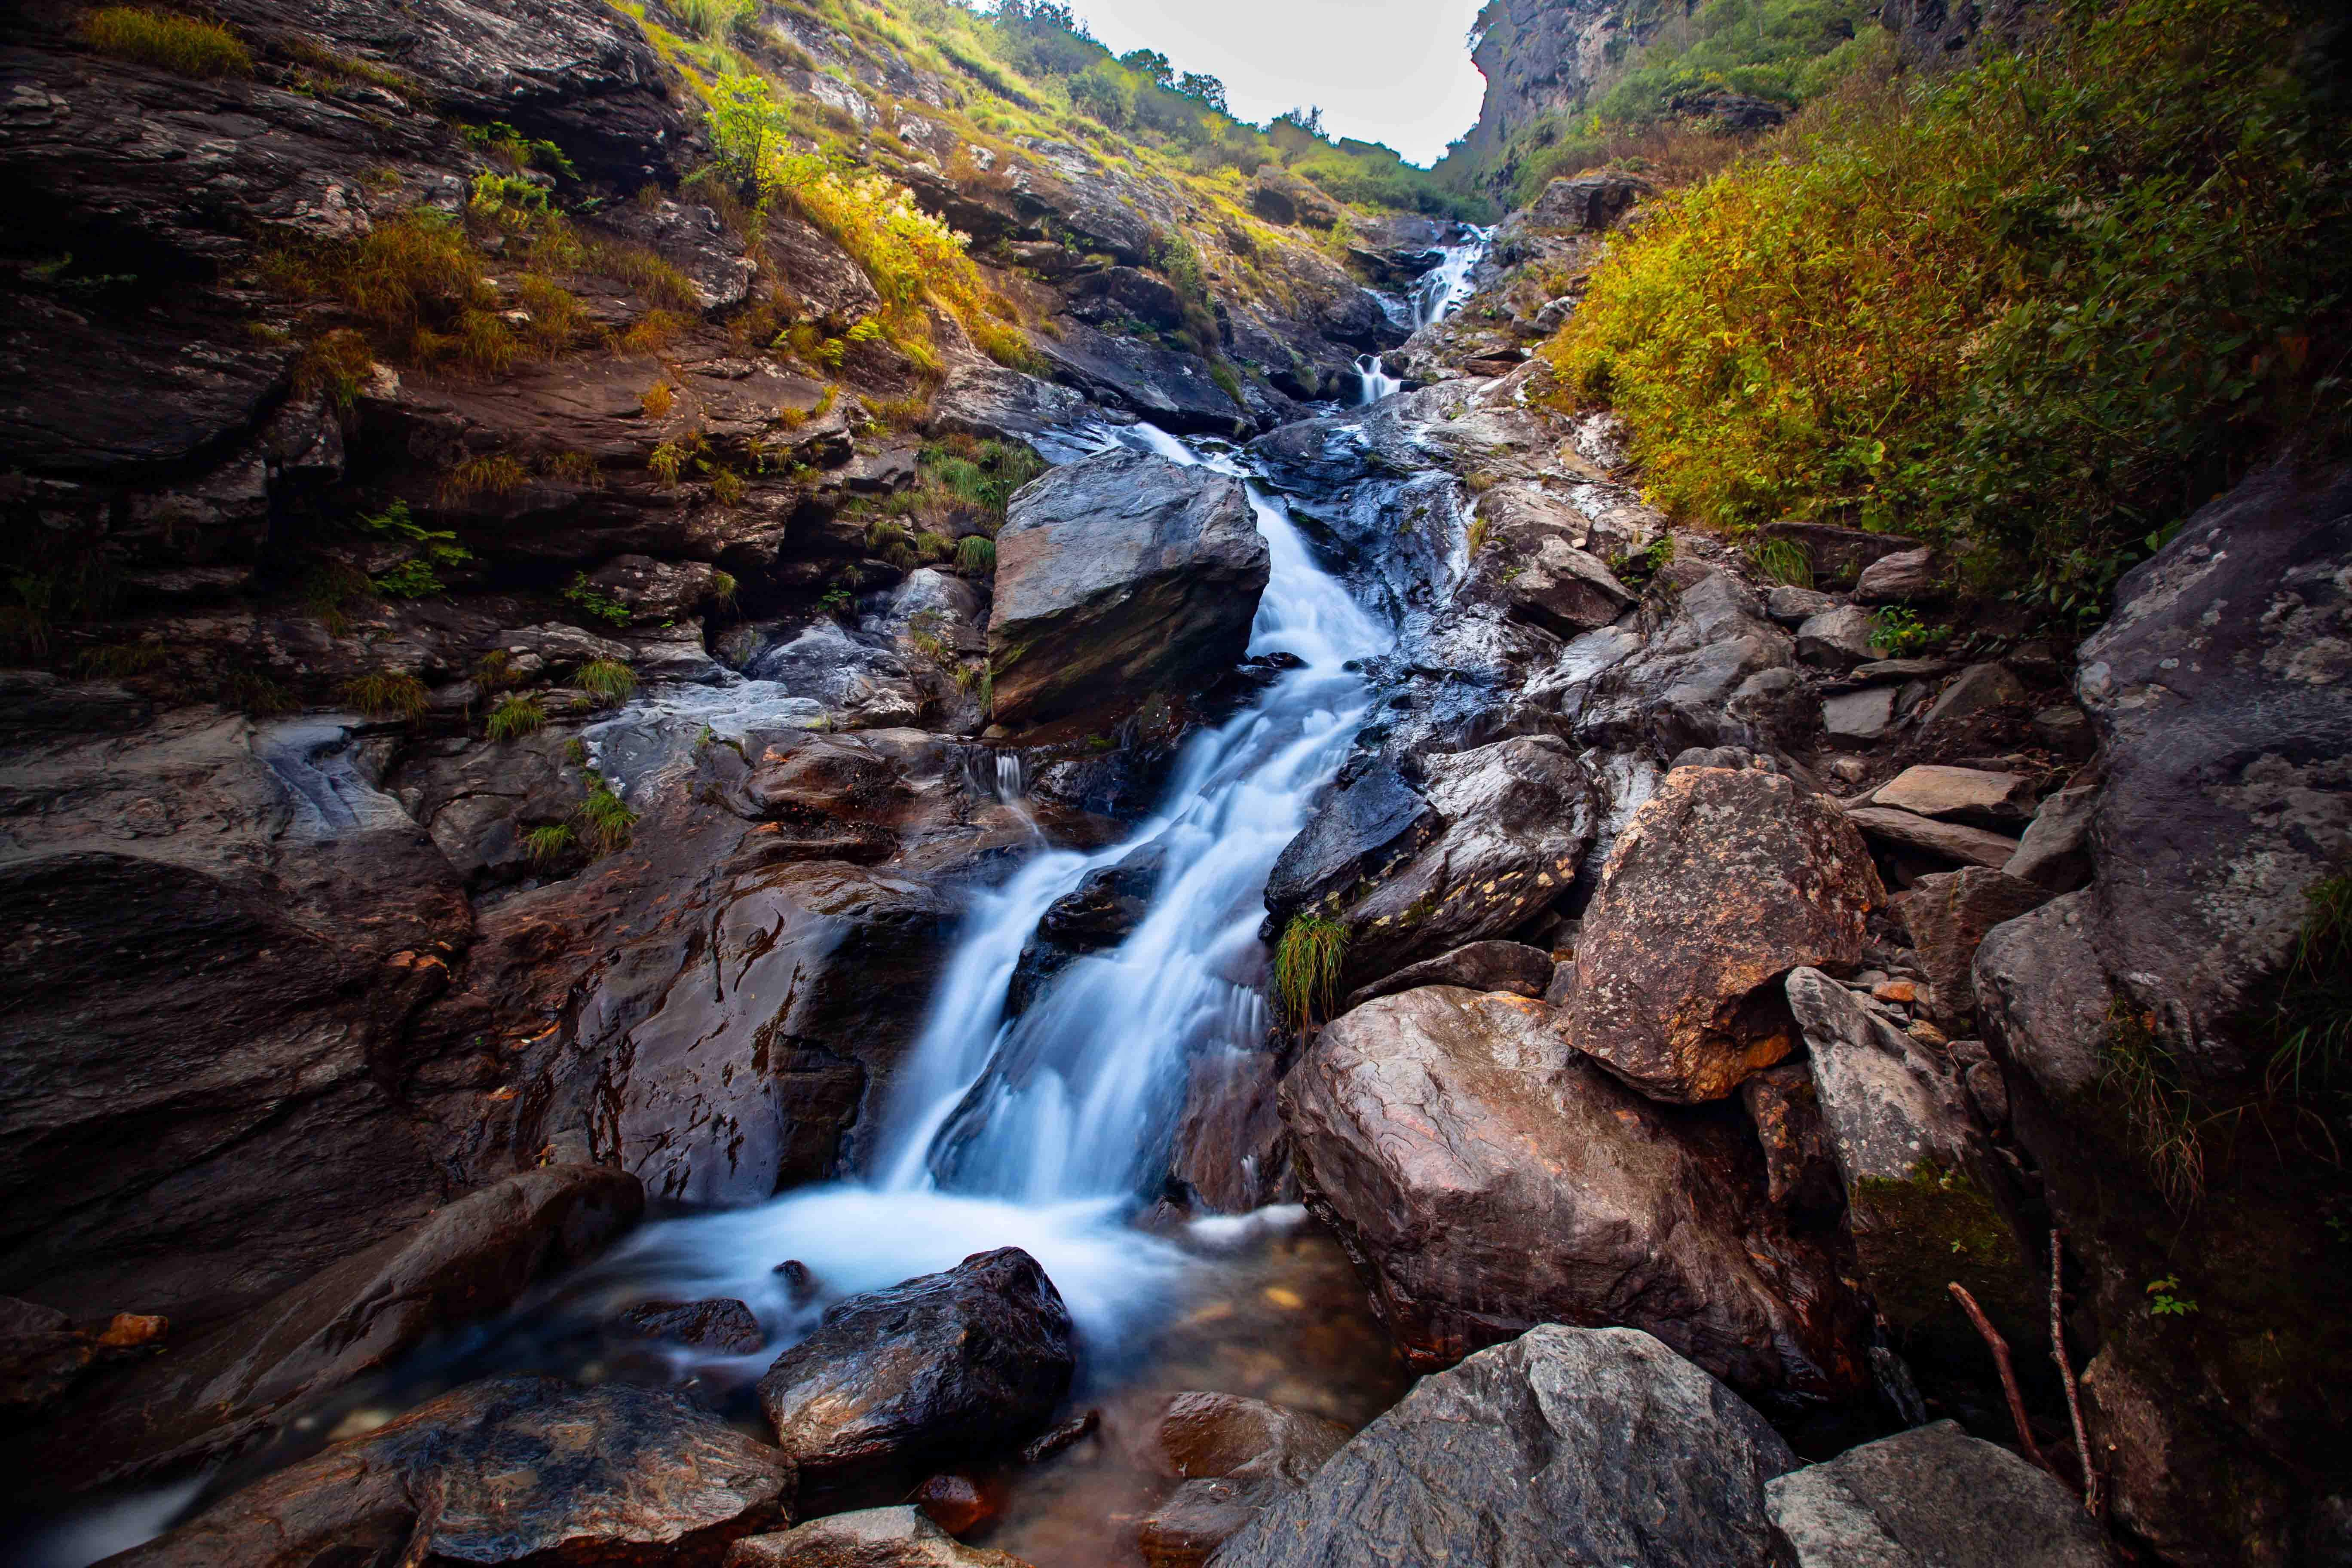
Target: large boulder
[1933,1497]
[1723,882]
[1678,693]
[1493,835]
[1118,576]
[518,1470]
[974,1359]
[471,1260]
[1565,1449]
[1439,1129]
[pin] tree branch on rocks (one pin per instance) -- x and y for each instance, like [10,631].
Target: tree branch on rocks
[2025,1443]
[2091,1499]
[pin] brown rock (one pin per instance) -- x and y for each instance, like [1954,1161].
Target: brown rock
[1719,887]
[1439,1131]
[1901,991]
[1799,1169]
[722,1325]
[1947,914]
[521,1469]
[1229,1151]
[959,1503]
[1951,840]
[1511,966]
[1960,795]
[869,1538]
[1234,1456]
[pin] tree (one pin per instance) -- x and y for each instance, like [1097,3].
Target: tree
[1150,64]
[1309,121]
[1205,90]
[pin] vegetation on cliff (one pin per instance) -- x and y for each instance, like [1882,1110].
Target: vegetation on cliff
[2030,312]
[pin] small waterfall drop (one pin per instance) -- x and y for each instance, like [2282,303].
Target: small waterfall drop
[1374,382]
[1444,287]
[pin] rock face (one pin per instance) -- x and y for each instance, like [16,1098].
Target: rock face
[470,1261]
[1565,1449]
[1492,835]
[1437,1129]
[1678,693]
[1117,576]
[1931,1495]
[1719,886]
[974,1359]
[521,1469]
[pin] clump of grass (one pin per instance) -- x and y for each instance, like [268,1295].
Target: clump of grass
[657,400]
[713,19]
[250,692]
[722,588]
[166,40]
[547,845]
[338,363]
[975,555]
[387,694]
[2311,1021]
[1782,560]
[496,475]
[331,589]
[2158,1108]
[608,819]
[665,462]
[726,486]
[608,680]
[1481,530]
[515,717]
[1307,965]
[573,467]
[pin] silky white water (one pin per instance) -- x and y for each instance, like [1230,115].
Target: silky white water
[1444,287]
[1045,1132]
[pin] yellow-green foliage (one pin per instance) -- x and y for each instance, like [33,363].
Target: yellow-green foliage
[387,694]
[515,717]
[414,286]
[162,39]
[2033,311]
[1307,965]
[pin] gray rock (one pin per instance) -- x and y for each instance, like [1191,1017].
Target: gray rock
[2055,851]
[1351,836]
[1437,1129]
[1931,1497]
[1836,638]
[1118,576]
[2067,731]
[1512,966]
[1947,914]
[1677,691]
[1902,669]
[1953,841]
[1960,795]
[898,1537]
[1562,589]
[1859,715]
[1592,202]
[1907,575]
[1978,687]
[1565,1449]
[1792,606]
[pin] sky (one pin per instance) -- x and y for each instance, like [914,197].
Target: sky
[1396,71]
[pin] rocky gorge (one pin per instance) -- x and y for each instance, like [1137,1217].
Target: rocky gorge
[763,806]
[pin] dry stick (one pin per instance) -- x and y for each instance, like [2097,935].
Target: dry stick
[2066,1374]
[2008,1375]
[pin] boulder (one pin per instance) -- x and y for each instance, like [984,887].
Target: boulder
[1438,1130]
[1974,689]
[1505,827]
[1862,715]
[471,1260]
[1234,1458]
[1230,1153]
[1960,795]
[1905,576]
[1719,886]
[517,1469]
[1119,576]
[1565,1449]
[1933,1497]
[1916,1170]
[870,1538]
[1836,638]
[1175,390]
[724,1326]
[1512,966]
[971,1359]
[2055,850]
[1101,911]
[1564,590]
[1947,914]
[1792,606]
[1677,691]
[1592,202]
[1951,840]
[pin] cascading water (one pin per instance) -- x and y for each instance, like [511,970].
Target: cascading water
[1374,380]
[1444,287]
[1044,1131]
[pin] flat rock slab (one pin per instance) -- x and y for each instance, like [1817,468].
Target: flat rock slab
[1960,795]
[1859,715]
[1955,841]
[1565,1449]
[1931,1497]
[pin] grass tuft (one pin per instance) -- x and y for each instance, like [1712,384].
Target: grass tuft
[547,845]
[1307,965]
[608,680]
[170,42]
[1782,560]
[515,717]
[387,694]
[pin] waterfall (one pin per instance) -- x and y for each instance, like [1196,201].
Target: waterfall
[1374,380]
[1045,1132]
[1443,288]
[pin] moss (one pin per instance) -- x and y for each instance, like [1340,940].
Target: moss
[1914,1236]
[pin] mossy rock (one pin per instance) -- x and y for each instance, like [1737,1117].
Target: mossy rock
[1916,1236]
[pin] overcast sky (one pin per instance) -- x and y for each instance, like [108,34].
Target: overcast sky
[1386,70]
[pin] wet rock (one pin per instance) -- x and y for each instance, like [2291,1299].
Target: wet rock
[1836,638]
[2055,849]
[1947,914]
[1792,606]
[959,1504]
[1553,584]
[971,1360]
[40,1355]
[1675,692]
[1977,688]
[1175,391]
[1511,823]
[1117,576]
[1859,715]
[656,591]
[1931,1495]
[1511,966]
[1437,1129]
[721,1325]
[1952,841]
[1101,911]
[1909,576]
[1567,1448]
[472,1260]
[1986,799]
[1365,824]
[870,1538]
[1231,1154]
[1799,1169]
[520,1470]
[1918,1173]
[1720,885]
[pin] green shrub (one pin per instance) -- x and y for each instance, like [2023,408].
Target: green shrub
[546,846]
[608,680]
[2031,311]
[387,694]
[515,717]
[165,40]
[608,819]
[975,555]
[584,597]
[1307,965]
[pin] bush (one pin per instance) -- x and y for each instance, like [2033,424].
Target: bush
[161,38]
[387,694]
[2030,312]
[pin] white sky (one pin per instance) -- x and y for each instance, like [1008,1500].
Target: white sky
[1396,71]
